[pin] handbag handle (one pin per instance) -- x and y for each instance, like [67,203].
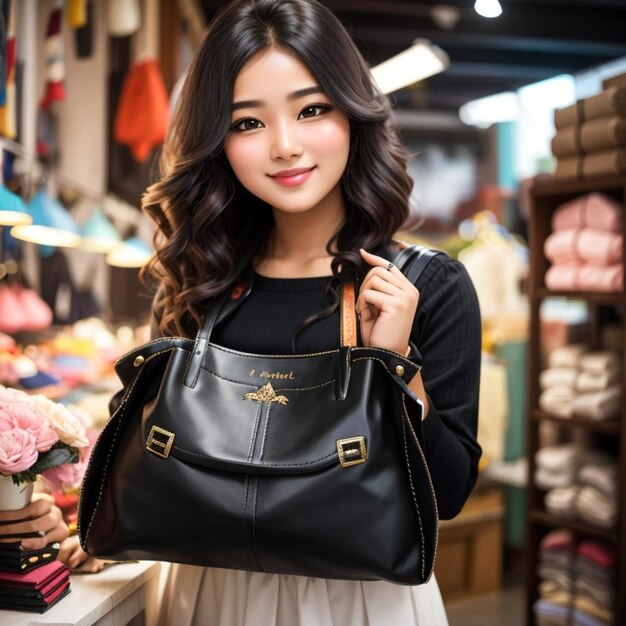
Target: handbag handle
[405,259]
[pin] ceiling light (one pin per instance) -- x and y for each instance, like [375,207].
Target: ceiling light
[488,8]
[501,107]
[99,234]
[421,60]
[131,253]
[13,210]
[445,16]
[52,224]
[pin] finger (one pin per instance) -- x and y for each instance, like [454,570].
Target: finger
[32,510]
[374,298]
[378,261]
[379,283]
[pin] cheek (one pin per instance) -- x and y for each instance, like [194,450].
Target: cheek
[242,156]
[334,139]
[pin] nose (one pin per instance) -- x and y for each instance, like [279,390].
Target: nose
[285,144]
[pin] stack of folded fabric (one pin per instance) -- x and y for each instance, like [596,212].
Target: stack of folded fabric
[594,600]
[555,570]
[585,247]
[591,136]
[580,483]
[35,588]
[582,384]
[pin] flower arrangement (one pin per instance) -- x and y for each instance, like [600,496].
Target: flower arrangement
[36,435]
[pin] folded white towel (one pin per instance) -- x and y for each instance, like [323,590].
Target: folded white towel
[596,508]
[598,405]
[558,377]
[557,400]
[602,476]
[592,381]
[567,356]
[559,457]
[547,479]
[562,501]
[599,362]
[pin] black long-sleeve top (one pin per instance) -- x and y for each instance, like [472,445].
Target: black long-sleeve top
[446,332]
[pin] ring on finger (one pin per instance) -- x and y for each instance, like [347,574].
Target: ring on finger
[390,267]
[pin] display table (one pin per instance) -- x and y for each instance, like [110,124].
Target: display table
[116,596]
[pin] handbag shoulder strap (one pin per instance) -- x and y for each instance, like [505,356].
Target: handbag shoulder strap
[411,261]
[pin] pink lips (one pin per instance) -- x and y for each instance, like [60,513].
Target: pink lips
[293,177]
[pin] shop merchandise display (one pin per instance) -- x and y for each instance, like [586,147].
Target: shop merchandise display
[575,392]
[586,245]
[580,483]
[340,438]
[577,581]
[591,136]
[582,383]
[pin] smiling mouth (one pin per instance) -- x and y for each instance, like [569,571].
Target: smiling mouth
[293,177]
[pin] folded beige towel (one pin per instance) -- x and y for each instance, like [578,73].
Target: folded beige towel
[609,102]
[567,356]
[561,456]
[558,377]
[598,405]
[548,480]
[601,133]
[602,476]
[592,164]
[561,501]
[588,606]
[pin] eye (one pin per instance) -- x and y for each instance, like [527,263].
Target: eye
[244,125]
[314,110]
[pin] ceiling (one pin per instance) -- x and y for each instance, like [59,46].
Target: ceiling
[532,40]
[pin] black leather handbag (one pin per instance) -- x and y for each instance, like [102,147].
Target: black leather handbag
[305,464]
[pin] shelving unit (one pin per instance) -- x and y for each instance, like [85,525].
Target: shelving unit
[545,198]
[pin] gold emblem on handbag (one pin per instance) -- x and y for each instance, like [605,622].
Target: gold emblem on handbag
[266,394]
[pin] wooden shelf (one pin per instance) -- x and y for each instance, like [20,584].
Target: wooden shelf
[554,521]
[612,427]
[546,197]
[551,187]
[614,298]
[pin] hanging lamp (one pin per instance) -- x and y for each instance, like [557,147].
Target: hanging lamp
[13,209]
[98,233]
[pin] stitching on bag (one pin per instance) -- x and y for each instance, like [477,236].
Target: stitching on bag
[255,386]
[120,410]
[254,541]
[430,482]
[254,431]
[417,509]
[329,382]
[179,341]
[245,504]
[322,458]
[252,355]
[267,421]
[374,358]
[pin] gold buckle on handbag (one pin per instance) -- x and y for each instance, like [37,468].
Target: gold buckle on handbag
[351,451]
[160,442]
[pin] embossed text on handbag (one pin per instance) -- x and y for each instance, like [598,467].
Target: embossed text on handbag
[307,464]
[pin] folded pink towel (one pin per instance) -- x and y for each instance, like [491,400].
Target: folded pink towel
[587,244]
[594,277]
[563,276]
[594,210]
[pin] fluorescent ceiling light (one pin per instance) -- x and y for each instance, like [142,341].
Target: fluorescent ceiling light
[488,8]
[502,107]
[421,60]
[553,93]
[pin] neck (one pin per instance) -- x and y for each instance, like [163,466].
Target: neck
[300,238]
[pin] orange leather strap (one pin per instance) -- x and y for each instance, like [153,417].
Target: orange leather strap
[348,316]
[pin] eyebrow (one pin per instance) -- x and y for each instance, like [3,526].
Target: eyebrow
[253,104]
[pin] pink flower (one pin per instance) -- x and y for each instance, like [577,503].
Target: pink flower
[18,451]
[68,427]
[34,421]
[11,396]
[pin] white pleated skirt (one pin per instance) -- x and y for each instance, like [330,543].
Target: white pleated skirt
[197,596]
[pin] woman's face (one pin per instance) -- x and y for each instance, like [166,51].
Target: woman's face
[287,144]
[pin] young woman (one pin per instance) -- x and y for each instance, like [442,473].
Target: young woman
[280,155]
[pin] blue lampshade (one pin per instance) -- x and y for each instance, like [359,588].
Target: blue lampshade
[52,224]
[13,210]
[99,234]
[132,253]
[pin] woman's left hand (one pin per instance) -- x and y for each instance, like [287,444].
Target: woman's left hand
[40,516]
[386,305]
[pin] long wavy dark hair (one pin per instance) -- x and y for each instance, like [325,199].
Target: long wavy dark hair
[206,220]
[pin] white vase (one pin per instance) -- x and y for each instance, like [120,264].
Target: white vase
[14,496]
